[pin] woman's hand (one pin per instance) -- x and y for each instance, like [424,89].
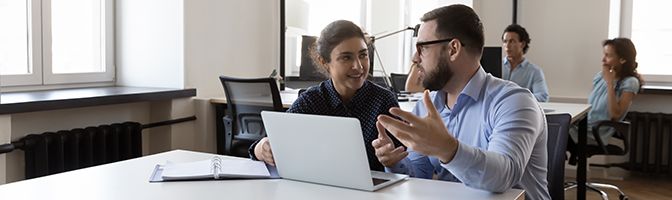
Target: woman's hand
[608,74]
[263,151]
[415,77]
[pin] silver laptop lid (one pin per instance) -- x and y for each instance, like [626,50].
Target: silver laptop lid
[319,149]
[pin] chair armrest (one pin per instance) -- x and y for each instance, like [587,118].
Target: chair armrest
[621,128]
[228,136]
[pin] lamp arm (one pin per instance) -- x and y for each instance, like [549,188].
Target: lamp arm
[373,38]
[386,77]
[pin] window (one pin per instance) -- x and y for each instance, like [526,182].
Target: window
[47,42]
[652,38]
[309,17]
[641,22]
[415,12]
[324,12]
[13,38]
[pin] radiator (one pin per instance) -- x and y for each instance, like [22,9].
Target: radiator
[650,143]
[50,153]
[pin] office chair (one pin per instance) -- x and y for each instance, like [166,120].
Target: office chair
[558,132]
[622,132]
[246,98]
[398,82]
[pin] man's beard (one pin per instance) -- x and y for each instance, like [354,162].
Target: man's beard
[438,78]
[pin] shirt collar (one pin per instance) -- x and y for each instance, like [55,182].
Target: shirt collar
[522,64]
[471,90]
[336,98]
[475,85]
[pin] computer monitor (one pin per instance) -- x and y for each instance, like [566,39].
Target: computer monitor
[308,70]
[491,60]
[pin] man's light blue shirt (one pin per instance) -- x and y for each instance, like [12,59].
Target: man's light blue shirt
[502,134]
[529,76]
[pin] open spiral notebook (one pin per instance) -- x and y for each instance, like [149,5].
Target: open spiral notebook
[211,169]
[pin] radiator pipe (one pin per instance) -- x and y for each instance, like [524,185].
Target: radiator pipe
[168,122]
[6,148]
[9,147]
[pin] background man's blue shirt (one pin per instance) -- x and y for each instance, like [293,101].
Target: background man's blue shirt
[527,75]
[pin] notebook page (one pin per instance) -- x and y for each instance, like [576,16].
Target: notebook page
[243,168]
[227,168]
[190,170]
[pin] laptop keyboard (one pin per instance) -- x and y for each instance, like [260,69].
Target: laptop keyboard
[378,181]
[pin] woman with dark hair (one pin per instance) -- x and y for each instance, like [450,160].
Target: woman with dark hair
[341,53]
[613,88]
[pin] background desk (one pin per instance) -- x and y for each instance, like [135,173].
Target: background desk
[129,180]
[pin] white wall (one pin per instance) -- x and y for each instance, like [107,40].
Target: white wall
[387,16]
[654,103]
[150,43]
[233,38]
[495,16]
[566,42]
[566,39]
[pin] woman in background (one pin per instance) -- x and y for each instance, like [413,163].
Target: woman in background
[614,88]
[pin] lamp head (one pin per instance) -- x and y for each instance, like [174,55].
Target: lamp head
[415,30]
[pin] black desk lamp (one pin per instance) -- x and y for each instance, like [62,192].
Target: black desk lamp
[372,47]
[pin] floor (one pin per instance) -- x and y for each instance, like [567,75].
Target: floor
[636,187]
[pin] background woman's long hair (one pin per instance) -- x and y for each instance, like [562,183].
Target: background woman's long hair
[625,49]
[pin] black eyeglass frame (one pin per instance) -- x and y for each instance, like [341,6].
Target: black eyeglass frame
[418,45]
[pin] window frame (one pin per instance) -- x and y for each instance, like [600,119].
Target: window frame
[625,16]
[39,34]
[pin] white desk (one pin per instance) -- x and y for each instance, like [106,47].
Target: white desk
[578,112]
[129,180]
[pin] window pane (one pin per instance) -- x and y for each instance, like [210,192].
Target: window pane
[652,37]
[323,12]
[76,36]
[14,37]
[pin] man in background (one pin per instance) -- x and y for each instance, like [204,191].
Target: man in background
[517,68]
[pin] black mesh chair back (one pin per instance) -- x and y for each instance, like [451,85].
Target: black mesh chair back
[398,82]
[246,98]
[558,131]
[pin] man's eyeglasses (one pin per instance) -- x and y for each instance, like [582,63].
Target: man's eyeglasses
[420,46]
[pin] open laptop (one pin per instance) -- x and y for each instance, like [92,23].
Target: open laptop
[322,149]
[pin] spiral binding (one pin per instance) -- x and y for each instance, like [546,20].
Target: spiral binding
[216,166]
